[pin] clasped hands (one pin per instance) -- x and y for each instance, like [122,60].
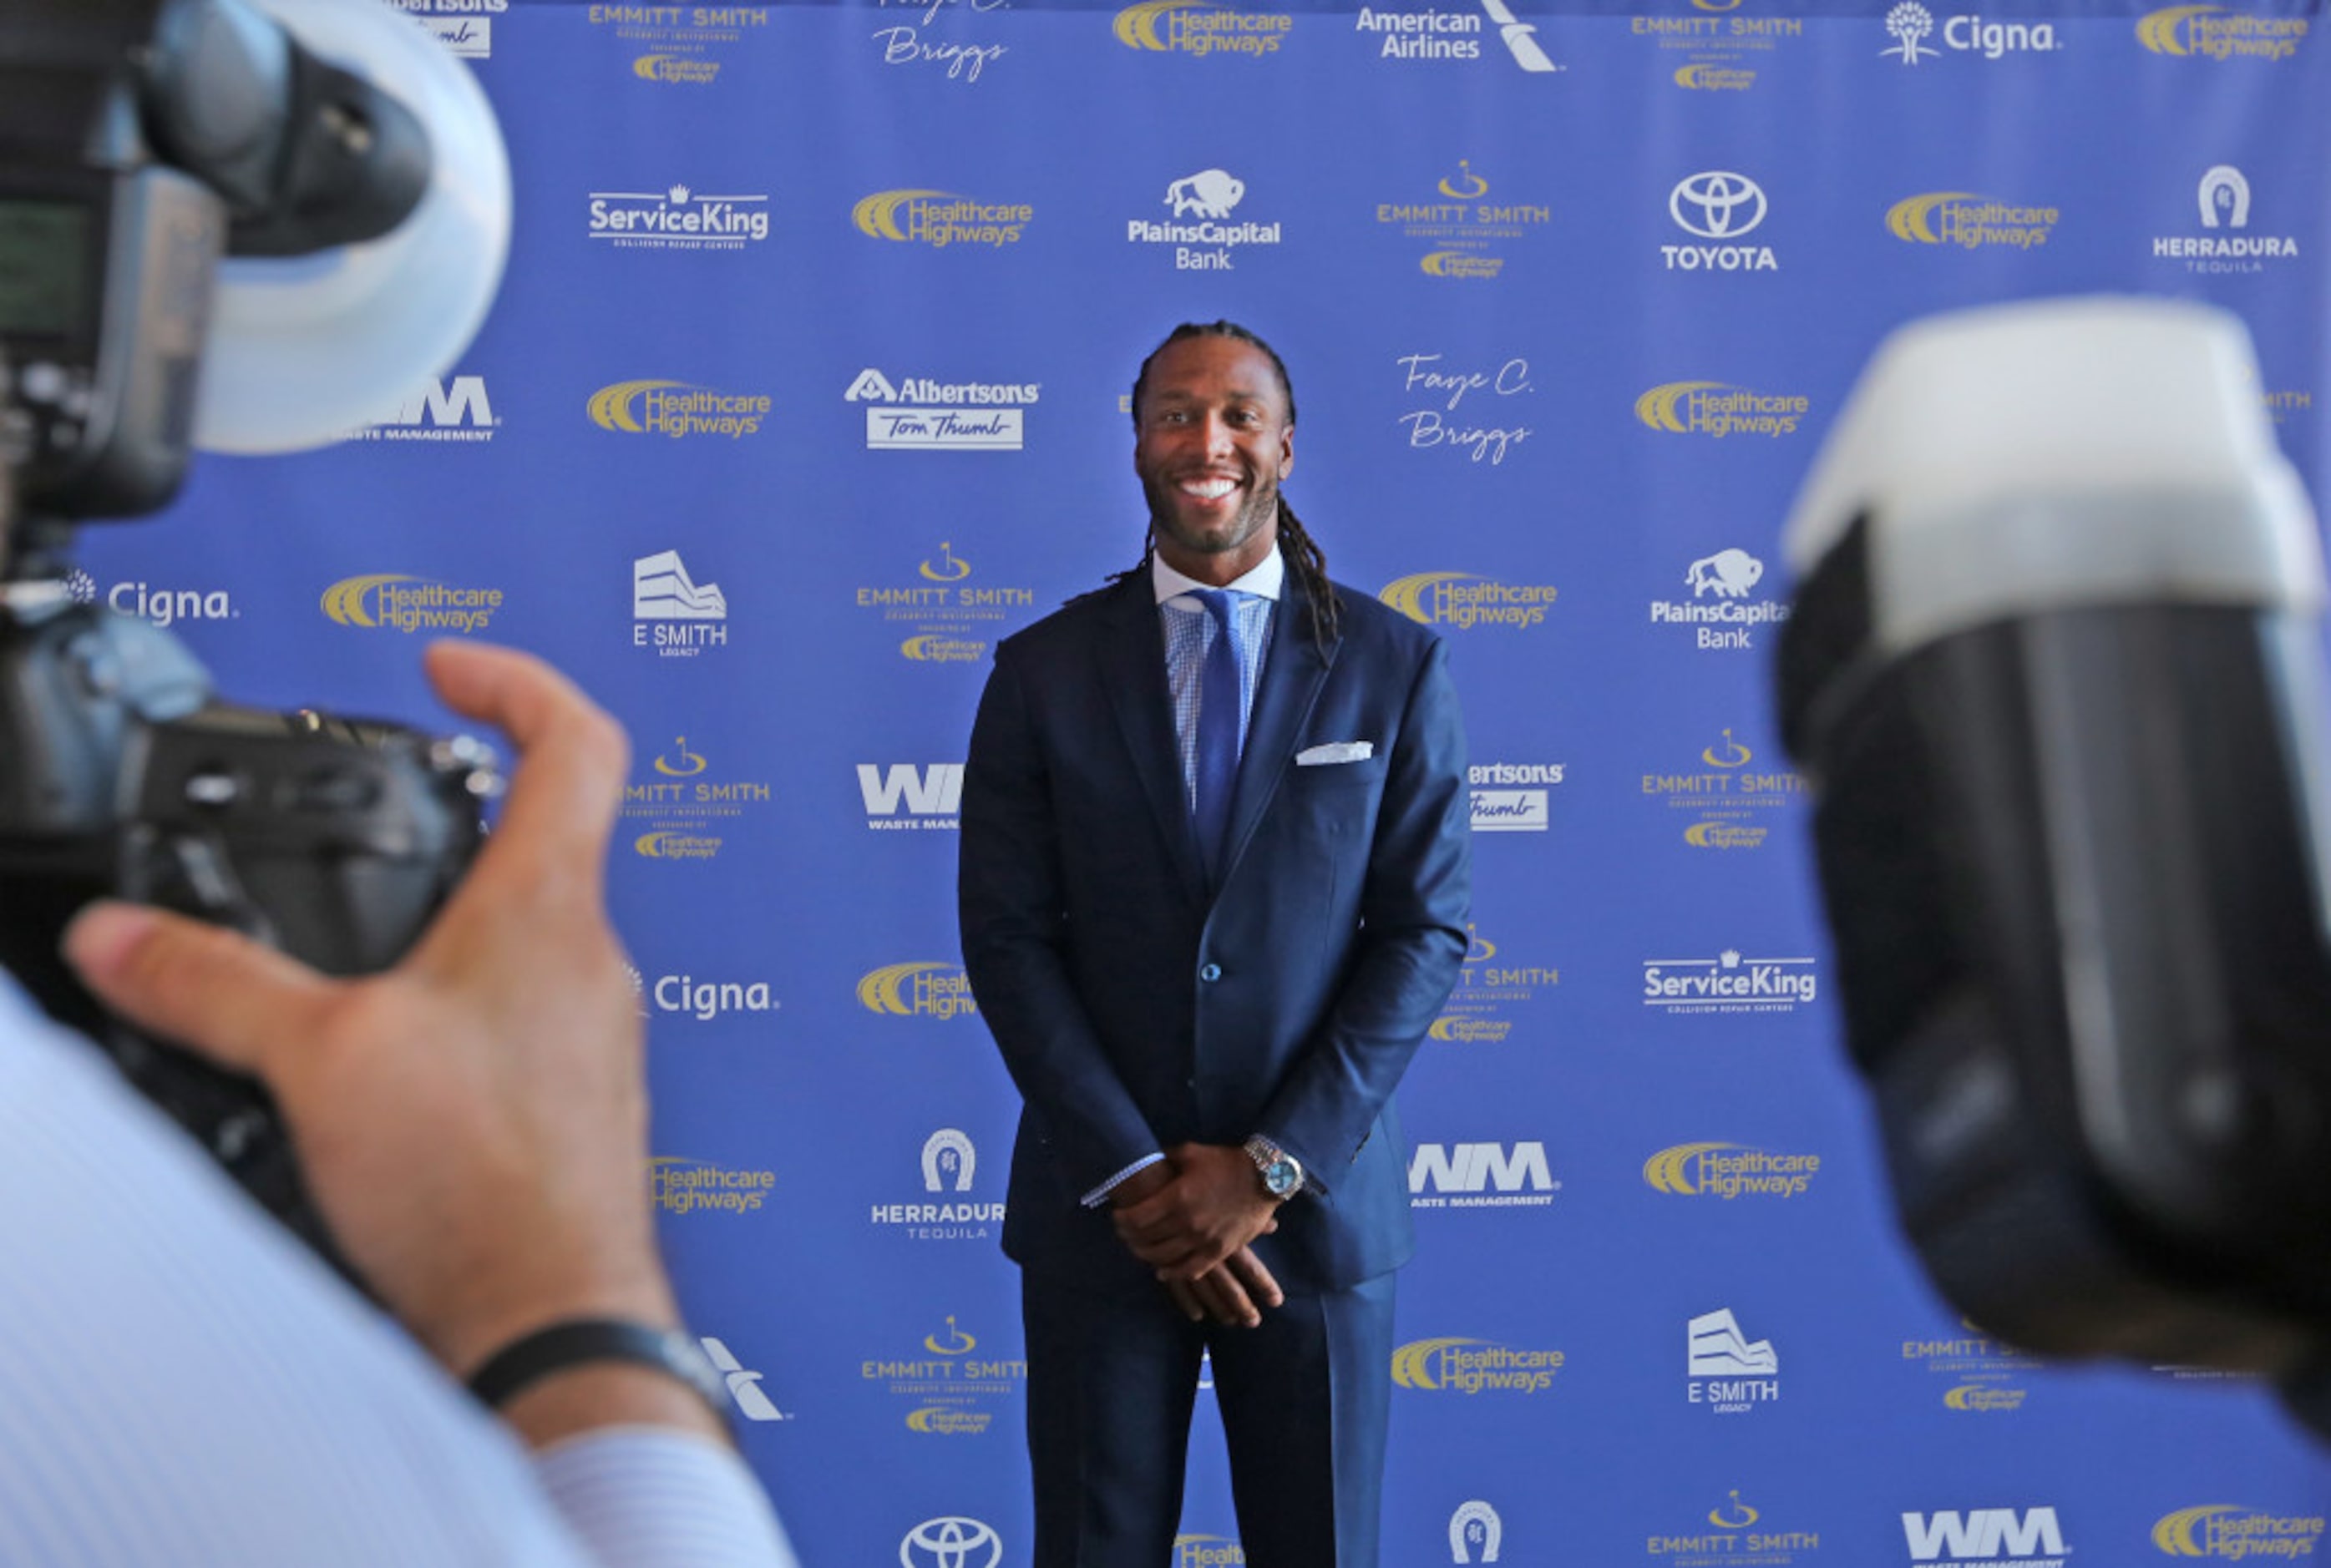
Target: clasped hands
[1190,1217]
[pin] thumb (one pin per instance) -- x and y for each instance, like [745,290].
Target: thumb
[227,997]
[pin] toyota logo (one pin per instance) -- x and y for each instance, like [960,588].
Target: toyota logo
[1722,205]
[951,1542]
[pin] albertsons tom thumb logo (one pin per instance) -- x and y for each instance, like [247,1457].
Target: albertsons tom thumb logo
[390,601]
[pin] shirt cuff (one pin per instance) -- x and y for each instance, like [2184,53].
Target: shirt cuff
[1100,1195]
[651,1496]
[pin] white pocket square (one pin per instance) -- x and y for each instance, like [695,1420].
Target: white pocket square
[1336,751]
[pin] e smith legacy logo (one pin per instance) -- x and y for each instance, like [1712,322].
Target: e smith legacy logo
[676,616]
[676,409]
[1201,28]
[677,218]
[939,219]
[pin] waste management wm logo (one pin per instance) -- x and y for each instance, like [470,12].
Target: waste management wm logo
[939,219]
[951,1541]
[930,795]
[2031,1538]
[1971,221]
[1480,1176]
[922,990]
[2236,1533]
[2214,32]
[438,412]
[1200,27]
[676,409]
[390,601]
[1729,1171]
[1473,1366]
[1462,601]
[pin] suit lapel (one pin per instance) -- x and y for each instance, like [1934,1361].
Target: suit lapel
[1133,655]
[1291,679]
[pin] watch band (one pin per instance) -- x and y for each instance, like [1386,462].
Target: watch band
[533,1356]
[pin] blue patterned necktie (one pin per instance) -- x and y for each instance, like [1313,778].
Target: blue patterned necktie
[1220,680]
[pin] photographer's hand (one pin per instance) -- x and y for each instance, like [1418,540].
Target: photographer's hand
[472,1123]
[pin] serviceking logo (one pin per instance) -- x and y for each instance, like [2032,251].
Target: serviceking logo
[946,1211]
[676,409]
[951,1541]
[1910,24]
[2236,1533]
[440,412]
[1970,221]
[2225,245]
[1725,1371]
[1201,28]
[1510,797]
[1735,804]
[1473,1366]
[1481,1176]
[1427,376]
[1463,227]
[955,1390]
[390,601]
[677,218]
[1475,1532]
[2214,32]
[1729,983]
[1207,1552]
[1717,409]
[1735,1535]
[1729,1171]
[1198,223]
[1722,614]
[686,807]
[686,996]
[916,990]
[2031,1537]
[939,219]
[152,603]
[681,1186]
[922,414]
[1722,208]
[676,617]
[930,795]
[1465,601]
[744,1384]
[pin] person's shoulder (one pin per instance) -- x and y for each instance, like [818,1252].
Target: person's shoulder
[1074,622]
[1367,622]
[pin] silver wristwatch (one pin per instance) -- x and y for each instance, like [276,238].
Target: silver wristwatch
[1283,1177]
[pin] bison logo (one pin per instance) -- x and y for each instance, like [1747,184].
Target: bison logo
[1210,194]
[1727,575]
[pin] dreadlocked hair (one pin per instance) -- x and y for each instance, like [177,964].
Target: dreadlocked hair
[1304,556]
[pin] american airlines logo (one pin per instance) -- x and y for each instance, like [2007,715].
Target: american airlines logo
[1481,1176]
[929,796]
[438,410]
[2031,1538]
[744,1384]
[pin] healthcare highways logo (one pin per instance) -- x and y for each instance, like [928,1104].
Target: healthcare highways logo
[954,1390]
[2214,32]
[1736,1535]
[1970,221]
[949,614]
[1463,602]
[678,410]
[939,219]
[1207,1552]
[680,1186]
[685,807]
[1473,1366]
[2238,1533]
[924,414]
[1201,28]
[916,990]
[1729,1171]
[1718,409]
[392,602]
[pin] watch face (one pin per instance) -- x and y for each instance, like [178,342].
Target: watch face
[1281,1177]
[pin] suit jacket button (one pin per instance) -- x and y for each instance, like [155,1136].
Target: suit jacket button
[1211,972]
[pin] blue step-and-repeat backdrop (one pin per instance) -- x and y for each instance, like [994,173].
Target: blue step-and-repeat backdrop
[807,385]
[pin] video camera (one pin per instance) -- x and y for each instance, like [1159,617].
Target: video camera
[141,141]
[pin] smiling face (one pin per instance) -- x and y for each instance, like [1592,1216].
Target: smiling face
[1212,439]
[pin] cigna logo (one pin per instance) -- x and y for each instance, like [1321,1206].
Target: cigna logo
[922,990]
[940,219]
[162,606]
[2031,1537]
[1200,27]
[678,409]
[2229,1531]
[2213,33]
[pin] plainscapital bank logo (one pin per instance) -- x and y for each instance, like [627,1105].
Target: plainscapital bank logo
[1475,1526]
[1721,208]
[1207,1552]
[2238,1533]
[949,616]
[455,412]
[1971,221]
[1721,52]
[1465,601]
[1481,1176]
[1910,24]
[1985,1375]
[1450,426]
[1473,1366]
[2224,243]
[946,1211]
[939,219]
[152,603]
[2214,32]
[390,601]
[686,808]
[678,218]
[1736,1534]
[951,1541]
[1198,224]
[699,1187]
[1734,805]
[1723,612]
[1725,1371]
[923,413]
[680,40]
[1729,1172]
[954,1389]
[2029,1537]
[917,43]
[1718,409]
[1202,28]
[464,27]
[1463,227]
[1480,1008]
[676,617]
[922,989]
[1729,983]
[752,1401]
[676,409]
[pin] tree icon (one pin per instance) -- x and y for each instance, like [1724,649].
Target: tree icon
[1909,21]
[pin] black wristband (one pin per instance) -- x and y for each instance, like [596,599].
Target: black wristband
[533,1356]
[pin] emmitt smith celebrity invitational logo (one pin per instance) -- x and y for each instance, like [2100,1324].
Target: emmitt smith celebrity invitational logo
[686,808]
[1736,1534]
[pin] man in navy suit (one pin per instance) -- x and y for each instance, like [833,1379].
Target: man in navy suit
[1215,887]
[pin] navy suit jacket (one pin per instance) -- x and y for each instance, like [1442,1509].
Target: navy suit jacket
[1136,1006]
